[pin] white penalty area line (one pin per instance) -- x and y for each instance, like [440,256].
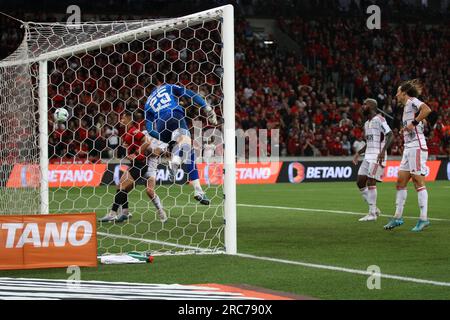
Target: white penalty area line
[347,270]
[326,211]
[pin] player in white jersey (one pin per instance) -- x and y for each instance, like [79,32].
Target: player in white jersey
[379,137]
[415,154]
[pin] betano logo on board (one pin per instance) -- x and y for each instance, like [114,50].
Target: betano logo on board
[59,175]
[392,168]
[45,241]
[50,234]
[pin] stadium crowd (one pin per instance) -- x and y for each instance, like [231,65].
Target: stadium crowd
[313,95]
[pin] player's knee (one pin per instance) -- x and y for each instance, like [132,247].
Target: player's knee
[418,181]
[401,184]
[184,140]
[126,187]
[361,182]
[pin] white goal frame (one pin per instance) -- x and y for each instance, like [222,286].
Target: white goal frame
[227,14]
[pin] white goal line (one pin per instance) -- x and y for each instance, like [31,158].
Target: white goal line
[163,243]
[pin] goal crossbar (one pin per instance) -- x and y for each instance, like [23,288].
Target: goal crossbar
[156,28]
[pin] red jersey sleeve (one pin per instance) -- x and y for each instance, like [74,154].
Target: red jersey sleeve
[134,140]
[138,136]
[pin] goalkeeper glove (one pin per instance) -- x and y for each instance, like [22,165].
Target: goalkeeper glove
[211,115]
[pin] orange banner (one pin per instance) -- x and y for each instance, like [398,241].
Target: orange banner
[59,175]
[48,241]
[246,173]
[392,167]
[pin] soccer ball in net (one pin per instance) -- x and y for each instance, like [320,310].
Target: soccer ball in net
[61,115]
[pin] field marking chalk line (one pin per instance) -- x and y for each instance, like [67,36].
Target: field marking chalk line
[326,211]
[342,269]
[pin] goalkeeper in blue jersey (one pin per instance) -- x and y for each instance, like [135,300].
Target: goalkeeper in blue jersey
[165,120]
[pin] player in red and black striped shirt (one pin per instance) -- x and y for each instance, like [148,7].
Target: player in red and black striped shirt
[137,145]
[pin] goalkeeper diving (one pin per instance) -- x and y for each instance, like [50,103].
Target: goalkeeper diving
[166,121]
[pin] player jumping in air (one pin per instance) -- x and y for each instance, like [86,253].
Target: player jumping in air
[137,145]
[379,137]
[166,121]
[415,153]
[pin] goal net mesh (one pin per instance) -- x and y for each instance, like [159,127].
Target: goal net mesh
[97,71]
[18,135]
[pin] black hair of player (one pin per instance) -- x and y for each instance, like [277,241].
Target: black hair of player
[158,78]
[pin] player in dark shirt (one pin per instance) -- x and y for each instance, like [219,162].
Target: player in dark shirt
[137,145]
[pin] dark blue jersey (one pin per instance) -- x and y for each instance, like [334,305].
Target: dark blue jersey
[163,103]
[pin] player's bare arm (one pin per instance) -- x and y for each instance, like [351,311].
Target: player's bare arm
[389,140]
[358,153]
[424,111]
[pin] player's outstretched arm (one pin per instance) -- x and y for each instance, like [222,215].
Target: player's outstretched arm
[186,93]
[198,100]
[150,130]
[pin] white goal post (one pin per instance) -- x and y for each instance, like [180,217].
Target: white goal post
[46,43]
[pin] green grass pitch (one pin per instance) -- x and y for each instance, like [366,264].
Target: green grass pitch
[334,239]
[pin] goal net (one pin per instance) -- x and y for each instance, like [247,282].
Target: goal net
[97,71]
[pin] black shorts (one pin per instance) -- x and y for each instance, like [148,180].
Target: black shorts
[138,169]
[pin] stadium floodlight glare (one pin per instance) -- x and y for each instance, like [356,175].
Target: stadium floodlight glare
[73,63]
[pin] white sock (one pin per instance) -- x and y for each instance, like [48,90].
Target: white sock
[402,193]
[176,160]
[181,153]
[197,187]
[364,192]
[372,199]
[157,202]
[125,211]
[422,195]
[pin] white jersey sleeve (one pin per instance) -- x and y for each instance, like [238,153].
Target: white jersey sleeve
[384,126]
[415,104]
